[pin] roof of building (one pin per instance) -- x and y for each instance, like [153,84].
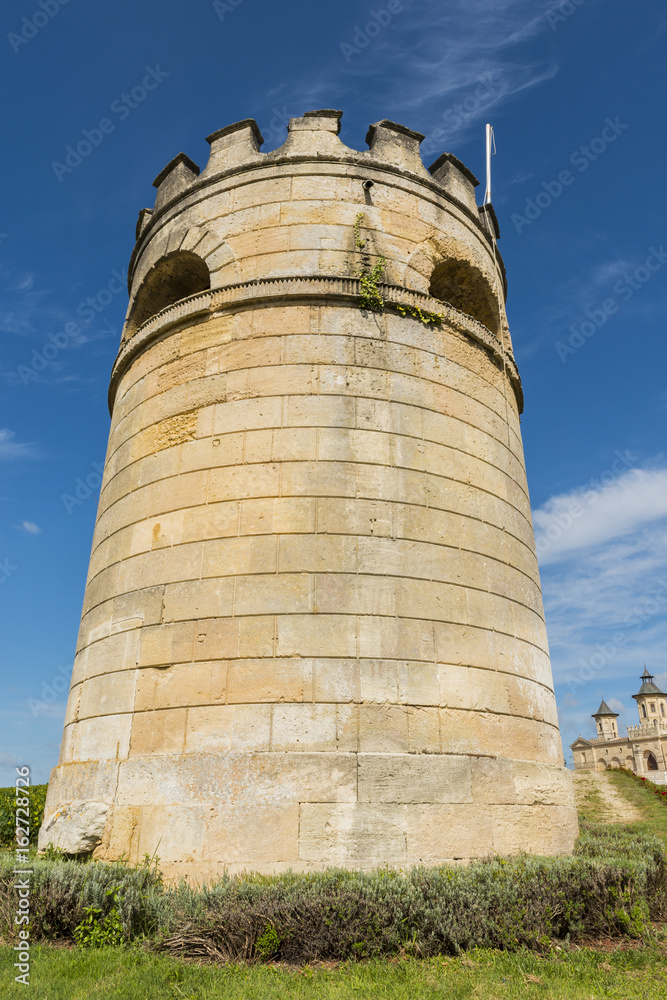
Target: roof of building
[604,709]
[648,687]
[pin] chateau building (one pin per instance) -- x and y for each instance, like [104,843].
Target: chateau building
[643,750]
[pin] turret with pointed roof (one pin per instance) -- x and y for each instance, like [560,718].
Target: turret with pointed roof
[648,687]
[604,709]
[605,720]
[651,701]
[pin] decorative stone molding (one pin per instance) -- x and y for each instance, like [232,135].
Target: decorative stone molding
[301,287]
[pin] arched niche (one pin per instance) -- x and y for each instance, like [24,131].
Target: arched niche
[174,277]
[465,287]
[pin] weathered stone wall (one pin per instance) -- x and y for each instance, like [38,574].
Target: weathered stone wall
[313,631]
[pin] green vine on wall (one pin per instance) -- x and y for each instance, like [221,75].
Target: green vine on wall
[369,277]
[424,315]
[370,297]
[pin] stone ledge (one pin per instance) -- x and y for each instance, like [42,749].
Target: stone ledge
[298,288]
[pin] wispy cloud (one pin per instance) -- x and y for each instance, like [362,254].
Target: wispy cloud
[604,583]
[29,527]
[11,449]
[453,48]
[585,517]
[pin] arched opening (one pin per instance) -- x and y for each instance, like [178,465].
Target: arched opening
[601,765]
[615,762]
[651,762]
[630,763]
[644,710]
[465,287]
[174,277]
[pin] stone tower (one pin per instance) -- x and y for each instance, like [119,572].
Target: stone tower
[313,630]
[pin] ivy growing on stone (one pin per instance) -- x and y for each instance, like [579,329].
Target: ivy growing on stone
[370,297]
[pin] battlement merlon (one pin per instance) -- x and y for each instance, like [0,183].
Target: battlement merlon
[233,146]
[174,179]
[315,134]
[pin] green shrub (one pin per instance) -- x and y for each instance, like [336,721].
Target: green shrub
[37,796]
[613,885]
[64,893]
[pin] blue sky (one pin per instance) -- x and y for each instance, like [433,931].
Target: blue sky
[573,91]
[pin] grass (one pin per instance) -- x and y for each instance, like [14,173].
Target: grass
[653,810]
[131,974]
[592,807]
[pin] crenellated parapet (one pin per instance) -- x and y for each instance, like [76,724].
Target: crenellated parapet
[292,213]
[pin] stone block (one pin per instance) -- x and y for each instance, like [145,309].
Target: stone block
[317,554]
[162,645]
[103,738]
[548,829]
[437,833]
[214,520]
[253,835]
[194,599]
[284,593]
[359,835]
[270,680]
[336,680]
[320,411]
[174,833]
[182,685]
[316,635]
[107,694]
[429,778]
[240,482]
[257,636]
[242,414]
[216,639]
[383,728]
[239,556]
[303,727]
[159,731]
[278,515]
[341,593]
